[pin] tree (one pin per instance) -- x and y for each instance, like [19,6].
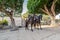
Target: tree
[49,7]
[11,6]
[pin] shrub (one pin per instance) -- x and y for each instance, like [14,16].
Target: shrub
[4,22]
[46,20]
[57,20]
[0,22]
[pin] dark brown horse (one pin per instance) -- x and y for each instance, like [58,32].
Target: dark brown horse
[38,21]
[29,20]
[33,20]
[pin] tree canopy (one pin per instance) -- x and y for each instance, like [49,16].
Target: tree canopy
[11,4]
[49,7]
[34,6]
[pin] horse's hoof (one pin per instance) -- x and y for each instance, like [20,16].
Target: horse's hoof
[32,30]
[40,28]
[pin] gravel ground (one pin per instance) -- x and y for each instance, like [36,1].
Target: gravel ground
[22,34]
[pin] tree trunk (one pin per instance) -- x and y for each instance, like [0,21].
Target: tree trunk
[10,14]
[53,22]
[13,23]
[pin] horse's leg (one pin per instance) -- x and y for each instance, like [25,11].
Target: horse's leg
[26,26]
[40,25]
[31,26]
[34,25]
[37,26]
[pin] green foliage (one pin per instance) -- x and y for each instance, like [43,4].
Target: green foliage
[4,22]
[0,22]
[25,15]
[46,20]
[35,5]
[31,5]
[13,4]
[57,7]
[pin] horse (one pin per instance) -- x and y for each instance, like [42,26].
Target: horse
[28,21]
[38,21]
[26,24]
[33,20]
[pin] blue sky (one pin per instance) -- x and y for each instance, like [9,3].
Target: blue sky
[24,7]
